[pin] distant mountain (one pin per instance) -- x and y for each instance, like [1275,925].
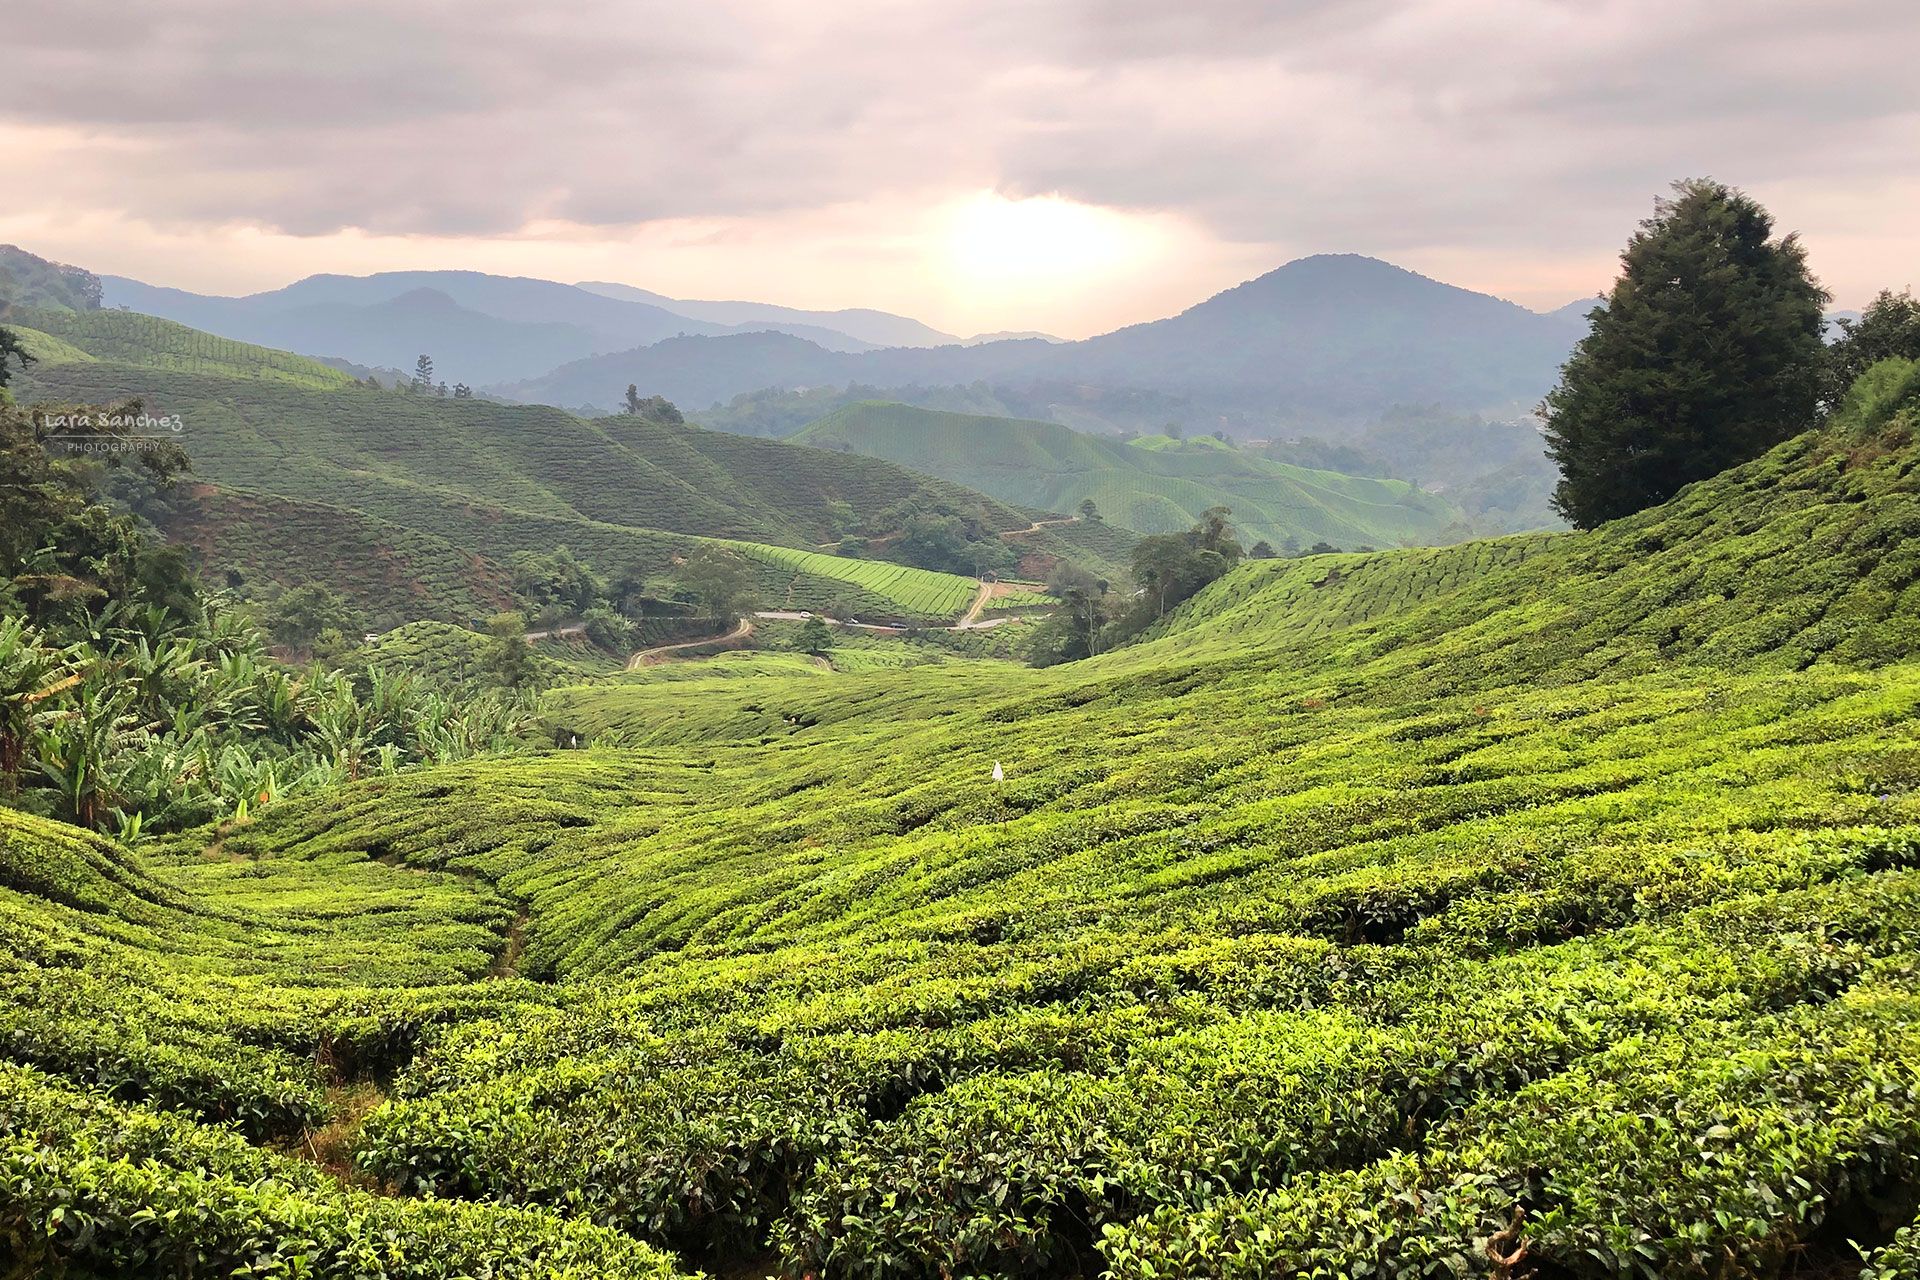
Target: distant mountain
[1009,335]
[1322,344]
[1337,336]
[1324,340]
[1575,313]
[876,328]
[1157,486]
[478,328]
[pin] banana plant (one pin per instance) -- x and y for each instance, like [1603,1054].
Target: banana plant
[340,723]
[81,752]
[31,676]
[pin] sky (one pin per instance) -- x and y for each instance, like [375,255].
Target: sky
[1067,166]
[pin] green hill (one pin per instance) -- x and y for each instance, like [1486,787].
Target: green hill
[434,493]
[126,337]
[1538,906]
[1155,485]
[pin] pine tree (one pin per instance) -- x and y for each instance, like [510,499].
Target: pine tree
[423,373]
[1707,353]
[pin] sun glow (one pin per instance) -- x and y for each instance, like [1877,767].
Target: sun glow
[992,238]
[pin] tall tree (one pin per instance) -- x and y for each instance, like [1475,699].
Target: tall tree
[11,350]
[815,637]
[1707,353]
[423,373]
[721,581]
[653,408]
[301,613]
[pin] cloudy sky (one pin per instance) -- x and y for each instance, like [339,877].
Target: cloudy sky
[1064,165]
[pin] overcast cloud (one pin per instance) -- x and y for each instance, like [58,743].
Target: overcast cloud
[804,153]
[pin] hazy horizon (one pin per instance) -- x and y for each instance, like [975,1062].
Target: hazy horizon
[1069,168]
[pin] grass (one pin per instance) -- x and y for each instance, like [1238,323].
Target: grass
[1550,898]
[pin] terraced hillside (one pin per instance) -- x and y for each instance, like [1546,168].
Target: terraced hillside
[1538,907]
[435,493]
[1153,490]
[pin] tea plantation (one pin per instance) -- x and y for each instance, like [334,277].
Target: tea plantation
[413,503]
[1537,907]
[1154,490]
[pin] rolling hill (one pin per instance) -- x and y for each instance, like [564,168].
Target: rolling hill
[1152,489]
[1548,902]
[434,493]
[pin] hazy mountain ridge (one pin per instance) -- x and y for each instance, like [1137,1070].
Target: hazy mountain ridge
[876,328]
[1325,341]
[479,328]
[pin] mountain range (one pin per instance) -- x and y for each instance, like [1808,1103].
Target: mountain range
[1323,341]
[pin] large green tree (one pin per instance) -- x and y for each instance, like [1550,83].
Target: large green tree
[11,352]
[1707,353]
[719,580]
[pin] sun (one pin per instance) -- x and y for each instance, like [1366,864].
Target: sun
[1042,237]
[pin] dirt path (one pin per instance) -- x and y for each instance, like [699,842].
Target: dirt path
[988,591]
[573,630]
[643,657]
[1038,525]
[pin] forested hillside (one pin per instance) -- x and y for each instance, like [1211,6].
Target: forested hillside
[1541,906]
[1153,490]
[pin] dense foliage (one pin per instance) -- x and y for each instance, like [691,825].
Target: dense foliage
[1889,329]
[1706,353]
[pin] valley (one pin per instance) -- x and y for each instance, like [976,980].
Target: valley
[1488,886]
[987,828]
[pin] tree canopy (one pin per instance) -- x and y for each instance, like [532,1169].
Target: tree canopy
[1707,353]
[718,579]
[1889,329]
